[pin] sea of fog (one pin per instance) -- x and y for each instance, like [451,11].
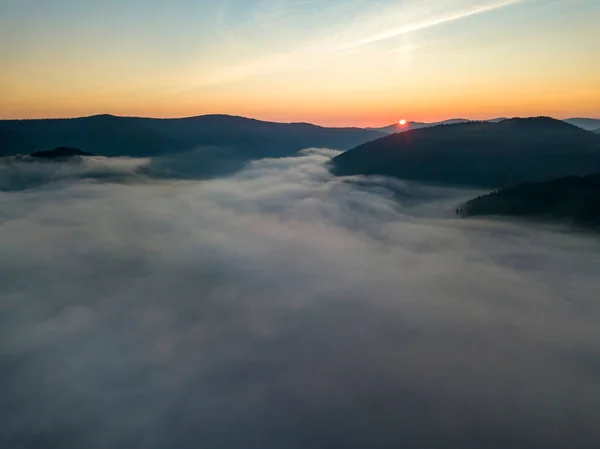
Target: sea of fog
[282,308]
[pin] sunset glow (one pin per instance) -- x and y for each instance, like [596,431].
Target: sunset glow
[402,122]
[330,62]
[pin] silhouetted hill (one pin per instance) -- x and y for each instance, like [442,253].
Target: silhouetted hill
[60,153]
[226,136]
[104,135]
[572,199]
[585,123]
[398,128]
[478,153]
[258,138]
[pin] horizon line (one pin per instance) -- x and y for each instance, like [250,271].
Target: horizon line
[374,128]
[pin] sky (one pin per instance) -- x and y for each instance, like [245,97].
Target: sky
[330,62]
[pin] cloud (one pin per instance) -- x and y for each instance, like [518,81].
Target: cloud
[280,307]
[364,23]
[23,172]
[431,21]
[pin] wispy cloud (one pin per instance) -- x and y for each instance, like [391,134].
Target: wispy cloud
[409,17]
[431,22]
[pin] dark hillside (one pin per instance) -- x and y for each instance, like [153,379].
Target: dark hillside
[107,135]
[573,199]
[485,154]
[60,152]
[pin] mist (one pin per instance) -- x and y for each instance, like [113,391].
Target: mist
[281,307]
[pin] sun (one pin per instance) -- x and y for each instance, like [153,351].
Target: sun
[402,122]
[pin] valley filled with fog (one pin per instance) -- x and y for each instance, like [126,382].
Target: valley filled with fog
[283,307]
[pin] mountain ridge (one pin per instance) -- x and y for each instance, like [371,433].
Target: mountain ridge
[479,154]
[589,124]
[398,128]
[586,123]
[219,144]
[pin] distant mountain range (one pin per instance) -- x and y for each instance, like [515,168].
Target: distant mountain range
[585,123]
[110,135]
[574,200]
[542,166]
[218,144]
[398,128]
[217,141]
[482,154]
[590,124]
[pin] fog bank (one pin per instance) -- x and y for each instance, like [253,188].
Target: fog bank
[284,308]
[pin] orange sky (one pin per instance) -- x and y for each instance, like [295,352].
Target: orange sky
[341,63]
